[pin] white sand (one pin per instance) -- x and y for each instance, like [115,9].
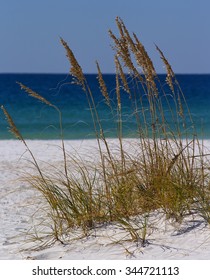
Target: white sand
[18,213]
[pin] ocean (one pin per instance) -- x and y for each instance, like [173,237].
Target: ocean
[35,120]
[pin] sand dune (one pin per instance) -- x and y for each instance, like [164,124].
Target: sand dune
[19,207]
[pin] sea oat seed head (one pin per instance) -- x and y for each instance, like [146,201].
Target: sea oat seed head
[34,94]
[102,85]
[118,87]
[170,73]
[13,129]
[122,75]
[75,69]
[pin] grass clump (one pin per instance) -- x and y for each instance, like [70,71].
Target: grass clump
[165,169]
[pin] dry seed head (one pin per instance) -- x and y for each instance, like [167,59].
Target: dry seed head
[103,85]
[118,87]
[181,111]
[127,36]
[122,75]
[126,47]
[146,63]
[75,69]
[34,94]
[123,52]
[114,38]
[139,53]
[120,26]
[13,129]
[170,72]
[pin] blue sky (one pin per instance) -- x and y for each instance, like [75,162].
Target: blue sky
[30,31]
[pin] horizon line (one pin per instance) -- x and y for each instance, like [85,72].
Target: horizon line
[88,73]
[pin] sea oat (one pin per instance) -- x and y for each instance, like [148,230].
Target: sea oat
[75,69]
[118,90]
[34,94]
[145,62]
[122,75]
[170,73]
[126,46]
[126,34]
[181,111]
[103,85]
[13,129]
[123,52]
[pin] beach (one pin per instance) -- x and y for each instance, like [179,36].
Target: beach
[20,205]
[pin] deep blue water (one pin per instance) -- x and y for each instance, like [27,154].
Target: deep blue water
[36,120]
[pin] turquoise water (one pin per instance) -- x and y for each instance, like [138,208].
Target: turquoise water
[35,120]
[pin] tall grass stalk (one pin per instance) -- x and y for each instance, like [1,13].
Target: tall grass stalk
[44,100]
